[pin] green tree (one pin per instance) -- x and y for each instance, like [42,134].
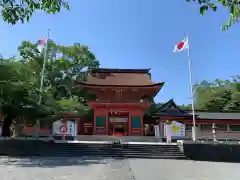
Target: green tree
[17,93]
[61,72]
[14,11]
[232,5]
[220,95]
[186,107]
[20,81]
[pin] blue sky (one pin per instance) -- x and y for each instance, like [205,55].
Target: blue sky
[140,34]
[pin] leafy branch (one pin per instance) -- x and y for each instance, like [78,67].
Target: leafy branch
[14,11]
[232,5]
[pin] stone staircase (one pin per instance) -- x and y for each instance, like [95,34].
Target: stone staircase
[126,150]
[122,138]
[157,150]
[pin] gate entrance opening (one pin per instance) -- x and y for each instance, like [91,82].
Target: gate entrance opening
[118,126]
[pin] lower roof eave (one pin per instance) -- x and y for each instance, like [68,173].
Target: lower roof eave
[206,119]
[155,85]
[172,116]
[210,121]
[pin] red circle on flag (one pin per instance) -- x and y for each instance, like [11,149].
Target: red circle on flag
[180,45]
[63,129]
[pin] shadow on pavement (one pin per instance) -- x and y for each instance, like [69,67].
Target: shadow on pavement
[51,162]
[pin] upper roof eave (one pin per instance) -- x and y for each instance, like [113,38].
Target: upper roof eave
[109,70]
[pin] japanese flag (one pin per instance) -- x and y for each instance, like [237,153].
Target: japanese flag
[181,45]
[42,44]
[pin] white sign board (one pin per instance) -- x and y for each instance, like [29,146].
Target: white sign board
[174,129]
[60,129]
[118,119]
[156,131]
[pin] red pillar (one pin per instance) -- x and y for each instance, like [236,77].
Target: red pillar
[79,126]
[129,123]
[1,115]
[142,128]
[94,121]
[106,121]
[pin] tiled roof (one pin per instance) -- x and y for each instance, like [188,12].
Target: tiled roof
[218,115]
[170,105]
[171,109]
[119,77]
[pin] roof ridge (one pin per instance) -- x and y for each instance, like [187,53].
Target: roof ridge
[118,70]
[168,104]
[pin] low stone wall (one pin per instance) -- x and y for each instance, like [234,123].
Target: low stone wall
[220,152]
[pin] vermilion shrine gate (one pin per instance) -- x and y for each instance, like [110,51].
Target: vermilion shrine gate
[123,96]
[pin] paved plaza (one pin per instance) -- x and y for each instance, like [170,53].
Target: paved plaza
[114,169]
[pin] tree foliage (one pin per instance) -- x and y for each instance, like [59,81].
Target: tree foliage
[216,96]
[20,81]
[14,11]
[232,5]
[220,95]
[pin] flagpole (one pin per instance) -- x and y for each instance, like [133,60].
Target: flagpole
[42,79]
[191,91]
[43,68]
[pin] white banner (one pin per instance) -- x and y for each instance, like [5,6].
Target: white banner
[156,131]
[58,128]
[175,128]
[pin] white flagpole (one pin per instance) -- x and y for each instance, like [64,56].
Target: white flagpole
[43,68]
[191,91]
[42,79]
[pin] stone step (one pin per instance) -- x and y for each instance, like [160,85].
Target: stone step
[122,155]
[115,153]
[120,152]
[118,146]
[122,146]
[120,149]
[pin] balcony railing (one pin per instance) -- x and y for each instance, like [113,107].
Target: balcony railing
[123,101]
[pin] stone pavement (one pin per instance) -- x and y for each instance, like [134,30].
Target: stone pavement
[184,170]
[114,169]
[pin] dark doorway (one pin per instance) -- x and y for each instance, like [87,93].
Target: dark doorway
[118,129]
